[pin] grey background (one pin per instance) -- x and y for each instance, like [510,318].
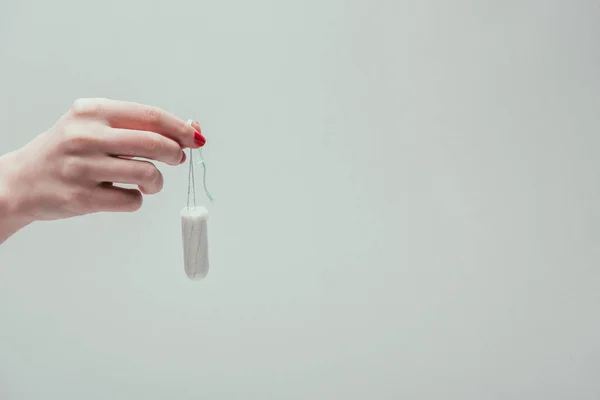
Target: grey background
[407,202]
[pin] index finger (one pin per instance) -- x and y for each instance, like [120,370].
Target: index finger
[136,116]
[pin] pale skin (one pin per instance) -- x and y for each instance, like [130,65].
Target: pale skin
[75,167]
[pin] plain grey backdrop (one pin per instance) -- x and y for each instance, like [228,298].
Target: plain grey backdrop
[407,202]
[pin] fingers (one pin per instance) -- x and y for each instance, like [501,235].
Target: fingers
[135,116]
[144,174]
[143,144]
[99,138]
[109,198]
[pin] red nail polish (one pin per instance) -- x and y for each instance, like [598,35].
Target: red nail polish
[199,139]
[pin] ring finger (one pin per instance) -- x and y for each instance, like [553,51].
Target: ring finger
[142,173]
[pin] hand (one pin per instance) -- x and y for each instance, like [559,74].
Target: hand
[72,168]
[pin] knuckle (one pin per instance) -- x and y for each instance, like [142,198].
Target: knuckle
[86,107]
[153,145]
[173,153]
[79,106]
[147,172]
[76,138]
[74,168]
[153,115]
[183,127]
[159,148]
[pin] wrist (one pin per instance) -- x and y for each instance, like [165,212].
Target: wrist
[13,216]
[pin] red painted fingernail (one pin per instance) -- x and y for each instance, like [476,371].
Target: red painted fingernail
[199,139]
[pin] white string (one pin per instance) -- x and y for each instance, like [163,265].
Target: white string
[191,178]
[201,161]
[191,183]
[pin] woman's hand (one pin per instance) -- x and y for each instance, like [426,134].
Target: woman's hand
[72,168]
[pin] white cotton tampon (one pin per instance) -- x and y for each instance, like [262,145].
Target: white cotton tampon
[195,241]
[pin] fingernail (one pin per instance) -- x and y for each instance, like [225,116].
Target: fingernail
[199,139]
[183,158]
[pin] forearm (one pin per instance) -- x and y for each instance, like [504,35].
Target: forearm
[9,226]
[12,218]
